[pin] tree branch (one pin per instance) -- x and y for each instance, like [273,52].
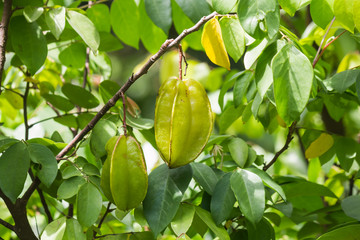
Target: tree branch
[25,110]
[167,45]
[3,34]
[108,210]
[283,149]
[7,225]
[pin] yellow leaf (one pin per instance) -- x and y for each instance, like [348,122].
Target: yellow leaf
[320,146]
[14,99]
[213,44]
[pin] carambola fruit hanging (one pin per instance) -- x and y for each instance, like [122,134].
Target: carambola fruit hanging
[124,178]
[183,121]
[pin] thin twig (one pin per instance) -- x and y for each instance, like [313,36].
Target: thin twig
[7,225]
[4,24]
[167,45]
[108,210]
[286,146]
[25,111]
[124,114]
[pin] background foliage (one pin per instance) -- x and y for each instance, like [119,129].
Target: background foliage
[283,159]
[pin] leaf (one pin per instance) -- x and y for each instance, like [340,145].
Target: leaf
[241,86]
[28,43]
[291,6]
[85,28]
[70,187]
[109,43]
[356,15]
[5,143]
[258,17]
[162,199]
[304,188]
[321,12]
[54,230]
[228,116]
[183,219]
[351,206]
[79,96]
[250,194]
[346,150]
[32,13]
[213,44]
[73,230]
[181,22]
[239,151]
[14,165]
[205,176]
[195,10]
[151,35]
[266,232]
[139,123]
[223,200]
[159,12]
[100,135]
[349,232]
[268,181]
[42,155]
[125,21]
[234,37]
[204,215]
[73,56]
[59,102]
[224,6]
[55,20]
[14,99]
[320,146]
[99,14]
[341,81]
[292,71]
[253,52]
[343,11]
[89,203]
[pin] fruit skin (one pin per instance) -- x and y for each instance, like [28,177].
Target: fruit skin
[124,179]
[183,121]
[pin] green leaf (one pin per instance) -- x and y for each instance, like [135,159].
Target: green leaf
[181,22]
[341,81]
[100,135]
[228,116]
[89,203]
[205,176]
[304,188]
[343,11]
[159,12]
[268,181]
[250,194]
[162,199]
[224,6]
[351,206]
[229,83]
[73,56]
[70,187]
[183,219]
[28,43]
[253,52]
[204,215]
[6,143]
[54,230]
[234,37]
[258,17]
[195,10]
[346,150]
[14,99]
[42,155]
[139,123]
[67,120]
[79,96]
[73,230]
[85,28]
[55,147]
[70,171]
[32,13]
[291,6]
[99,14]
[55,20]
[266,232]
[321,12]
[59,102]
[349,232]
[109,43]
[108,89]
[125,21]
[223,200]
[151,35]
[241,86]
[14,165]
[292,71]
[239,151]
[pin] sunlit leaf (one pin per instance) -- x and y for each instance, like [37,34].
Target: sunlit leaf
[321,145]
